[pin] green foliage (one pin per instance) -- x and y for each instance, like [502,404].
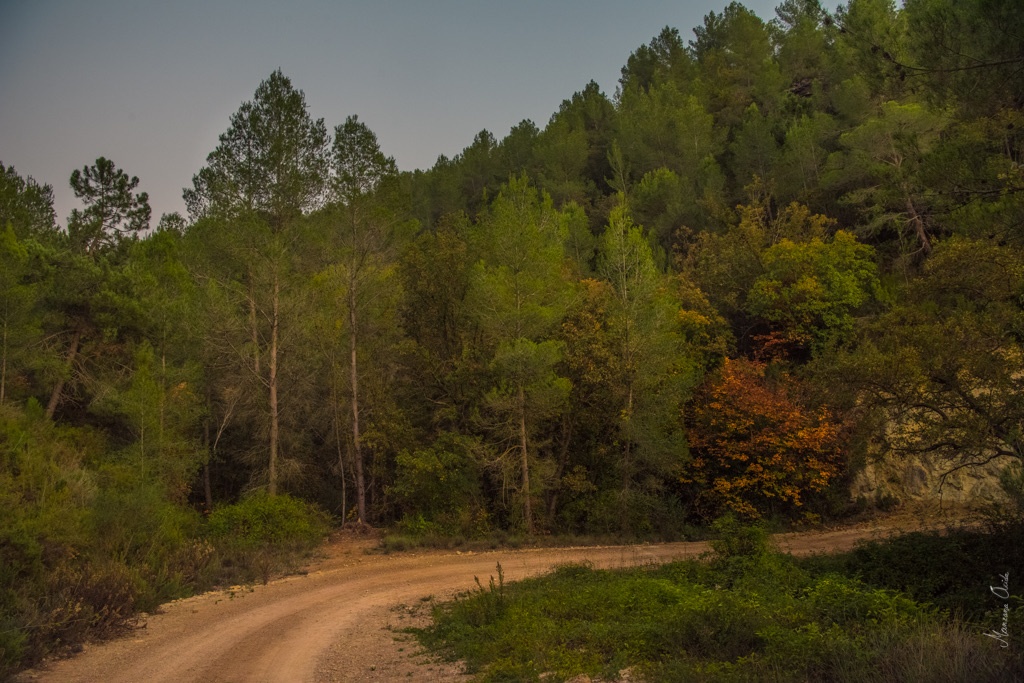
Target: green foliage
[82,548]
[879,170]
[20,328]
[25,204]
[811,291]
[261,521]
[762,621]
[438,488]
[971,561]
[965,52]
[272,159]
[524,360]
[736,539]
[653,369]
[943,366]
[518,296]
[111,211]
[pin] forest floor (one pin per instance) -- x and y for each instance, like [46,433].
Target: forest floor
[343,619]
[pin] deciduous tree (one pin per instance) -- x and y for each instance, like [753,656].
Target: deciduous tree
[756,449]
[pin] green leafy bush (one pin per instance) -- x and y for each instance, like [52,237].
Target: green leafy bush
[262,535]
[951,570]
[751,614]
[262,521]
[85,542]
[438,489]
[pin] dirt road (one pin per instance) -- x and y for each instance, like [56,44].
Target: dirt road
[340,622]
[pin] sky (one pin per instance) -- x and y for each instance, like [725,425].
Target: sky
[151,85]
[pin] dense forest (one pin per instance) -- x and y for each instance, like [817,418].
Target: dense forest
[775,249]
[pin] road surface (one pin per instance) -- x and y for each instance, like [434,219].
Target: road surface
[342,621]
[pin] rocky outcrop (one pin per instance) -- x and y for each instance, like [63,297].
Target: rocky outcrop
[889,479]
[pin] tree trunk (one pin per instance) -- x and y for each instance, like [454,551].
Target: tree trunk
[525,462]
[357,449]
[627,465]
[274,419]
[341,451]
[163,401]
[919,229]
[51,407]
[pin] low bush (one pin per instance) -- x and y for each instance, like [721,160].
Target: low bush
[748,614]
[261,535]
[951,570]
[438,491]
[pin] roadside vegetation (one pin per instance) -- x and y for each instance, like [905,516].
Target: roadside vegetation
[748,613]
[84,549]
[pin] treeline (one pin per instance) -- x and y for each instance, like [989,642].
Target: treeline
[775,243]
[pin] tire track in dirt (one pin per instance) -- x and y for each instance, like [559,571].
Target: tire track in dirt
[339,621]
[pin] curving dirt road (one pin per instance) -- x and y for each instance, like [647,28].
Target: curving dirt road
[339,622]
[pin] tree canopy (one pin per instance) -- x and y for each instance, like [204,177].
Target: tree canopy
[775,243]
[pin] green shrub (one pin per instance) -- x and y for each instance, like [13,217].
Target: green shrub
[135,524]
[262,535]
[263,521]
[438,490]
[950,570]
[736,539]
[751,614]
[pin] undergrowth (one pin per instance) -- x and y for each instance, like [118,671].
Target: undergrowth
[88,540]
[745,613]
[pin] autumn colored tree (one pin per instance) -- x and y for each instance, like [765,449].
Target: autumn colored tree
[756,448]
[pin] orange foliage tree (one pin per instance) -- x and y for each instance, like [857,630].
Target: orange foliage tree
[756,450]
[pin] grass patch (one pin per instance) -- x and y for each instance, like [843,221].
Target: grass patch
[745,614]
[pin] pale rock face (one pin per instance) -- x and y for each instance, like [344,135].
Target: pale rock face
[919,479]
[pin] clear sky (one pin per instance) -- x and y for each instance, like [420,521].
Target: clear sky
[151,84]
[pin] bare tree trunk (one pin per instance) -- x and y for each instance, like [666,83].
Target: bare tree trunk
[51,407]
[341,451]
[163,401]
[357,449]
[274,418]
[627,474]
[919,229]
[525,462]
